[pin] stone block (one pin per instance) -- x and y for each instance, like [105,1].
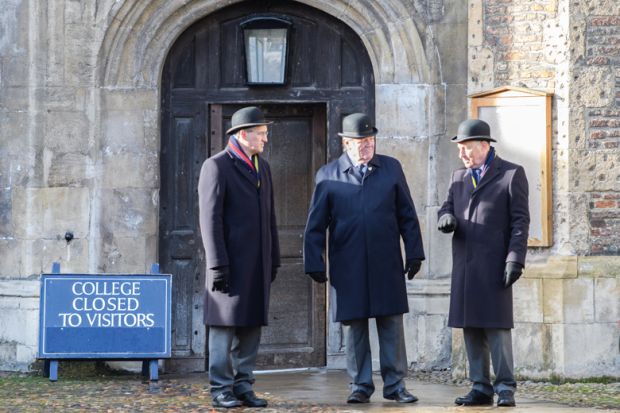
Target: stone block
[475,23]
[403,110]
[6,221]
[528,301]
[459,366]
[67,169]
[50,212]
[606,176]
[17,323]
[129,212]
[599,266]
[67,132]
[16,169]
[65,98]
[607,300]
[428,341]
[590,350]
[13,98]
[123,255]
[13,133]
[130,170]
[594,97]
[481,73]
[80,54]
[10,257]
[413,156]
[437,110]
[554,267]
[439,253]
[39,255]
[528,348]
[123,131]
[553,300]
[579,300]
[451,38]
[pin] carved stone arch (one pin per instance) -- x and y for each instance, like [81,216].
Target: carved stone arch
[141,32]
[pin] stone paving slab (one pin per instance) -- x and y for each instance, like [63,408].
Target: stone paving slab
[301,391]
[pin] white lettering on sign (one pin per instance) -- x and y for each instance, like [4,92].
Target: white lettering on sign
[106,304]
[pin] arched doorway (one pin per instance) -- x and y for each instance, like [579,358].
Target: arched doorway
[203,82]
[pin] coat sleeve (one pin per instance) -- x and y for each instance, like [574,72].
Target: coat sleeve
[275,242]
[448,205]
[211,195]
[407,218]
[316,227]
[519,217]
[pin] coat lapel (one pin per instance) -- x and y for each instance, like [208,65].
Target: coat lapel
[244,171]
[491,175]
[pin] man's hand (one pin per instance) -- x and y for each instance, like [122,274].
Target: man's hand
[512,273]
[446,223]
[412,267]
[319,277]
[220,279]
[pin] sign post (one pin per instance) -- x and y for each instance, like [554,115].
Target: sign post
[105,316]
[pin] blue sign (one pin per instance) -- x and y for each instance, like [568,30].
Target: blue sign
[105,316]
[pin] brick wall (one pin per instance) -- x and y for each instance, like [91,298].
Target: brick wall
[515,31]
[604,214]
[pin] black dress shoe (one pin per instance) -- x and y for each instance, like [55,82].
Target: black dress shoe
[226,399]
[474,398]
[506,398]
[249,399]
[402,396]
[358,396]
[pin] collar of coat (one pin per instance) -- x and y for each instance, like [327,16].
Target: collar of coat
[345,164]
[494,171]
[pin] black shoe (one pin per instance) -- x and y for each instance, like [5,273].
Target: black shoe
[506,398]
[402,396]
[226,399]
[249,399]
[474,398]
[358,396]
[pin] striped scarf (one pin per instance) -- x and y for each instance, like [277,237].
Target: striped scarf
[478,173]
[235,149]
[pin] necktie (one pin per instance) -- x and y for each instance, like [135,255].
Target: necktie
[363,170]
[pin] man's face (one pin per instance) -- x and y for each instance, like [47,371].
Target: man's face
[473,153]
[253,140]
[360,150]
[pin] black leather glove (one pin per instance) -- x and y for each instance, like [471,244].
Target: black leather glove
[446,223]
[274,272]
[220,279]
[512,273]
[319,277]
[412,267]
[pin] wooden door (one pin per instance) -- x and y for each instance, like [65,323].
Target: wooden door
[295,336]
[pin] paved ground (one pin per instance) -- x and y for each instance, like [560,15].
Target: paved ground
[308,391]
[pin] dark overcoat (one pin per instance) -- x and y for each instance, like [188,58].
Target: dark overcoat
[238,227]
[366,219]
[492,228]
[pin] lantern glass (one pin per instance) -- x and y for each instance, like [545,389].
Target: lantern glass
[265,55]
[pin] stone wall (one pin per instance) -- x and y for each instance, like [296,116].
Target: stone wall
[567,304]
[79,126]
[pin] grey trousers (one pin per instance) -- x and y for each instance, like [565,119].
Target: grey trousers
[479,342]
[392,354]
[232,358]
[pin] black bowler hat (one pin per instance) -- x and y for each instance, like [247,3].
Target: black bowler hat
[473,130]
[246,118]
[358,126]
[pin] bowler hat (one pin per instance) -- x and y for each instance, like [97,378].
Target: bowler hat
[357,125]
[247,117]
[473,130]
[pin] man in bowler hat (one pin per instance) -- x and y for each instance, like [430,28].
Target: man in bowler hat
[487,210]
[364,201]
[239,233]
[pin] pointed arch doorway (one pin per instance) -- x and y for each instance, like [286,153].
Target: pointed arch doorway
[329,75]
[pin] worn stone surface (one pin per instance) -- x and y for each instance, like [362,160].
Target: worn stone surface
[528,300]
[588,348]
[50,212]
[607,300]
[579,300]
